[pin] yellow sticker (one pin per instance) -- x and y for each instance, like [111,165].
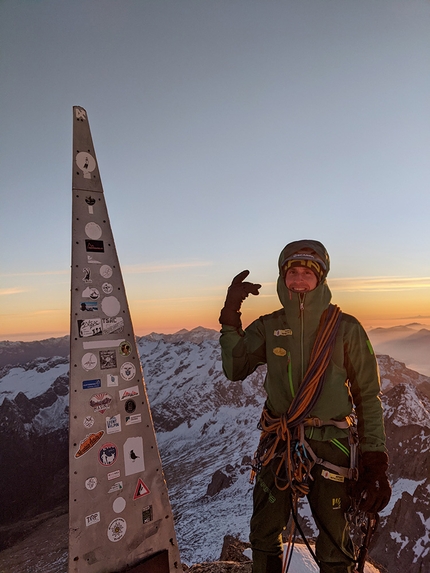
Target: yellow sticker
[279,351]
[334,477]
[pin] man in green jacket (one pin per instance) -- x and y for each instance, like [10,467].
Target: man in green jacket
[321,376]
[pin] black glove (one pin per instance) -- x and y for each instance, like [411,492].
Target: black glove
[236,294]
[373,489]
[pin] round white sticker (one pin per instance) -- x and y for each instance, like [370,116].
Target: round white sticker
[91,483]
[107,288]
[116,529]
[93,230]
[119,505]
[89,361]
[106,271]
[110,306]
[88,422]
[128,371]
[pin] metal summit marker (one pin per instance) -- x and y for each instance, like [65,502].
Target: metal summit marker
[120,517]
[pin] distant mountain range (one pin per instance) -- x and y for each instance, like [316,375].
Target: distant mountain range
[206,431]
[409,344]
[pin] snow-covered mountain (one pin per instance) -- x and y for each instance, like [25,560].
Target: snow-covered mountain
[206,430]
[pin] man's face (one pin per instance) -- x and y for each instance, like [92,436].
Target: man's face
[300,279]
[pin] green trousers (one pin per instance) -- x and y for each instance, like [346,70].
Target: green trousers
[328,499]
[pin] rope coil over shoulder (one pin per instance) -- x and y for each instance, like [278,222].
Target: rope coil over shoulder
[282,437]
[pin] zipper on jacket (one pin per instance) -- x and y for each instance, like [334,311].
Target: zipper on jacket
[290,375]
[302,332]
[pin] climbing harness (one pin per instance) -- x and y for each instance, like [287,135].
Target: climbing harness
[283,437]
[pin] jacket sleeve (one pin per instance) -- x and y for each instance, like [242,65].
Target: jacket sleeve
[363,375]
[242,350]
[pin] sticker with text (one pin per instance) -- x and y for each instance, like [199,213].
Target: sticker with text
[127,371]
[93,518]
[128,393]
[89,361]
[88,442]
[116,529]
[113,424]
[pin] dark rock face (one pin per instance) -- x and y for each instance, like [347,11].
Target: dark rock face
[219,482]
[34,462]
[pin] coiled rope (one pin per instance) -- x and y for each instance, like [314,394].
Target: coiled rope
[283,436]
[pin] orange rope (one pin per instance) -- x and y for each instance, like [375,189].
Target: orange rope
[278,432]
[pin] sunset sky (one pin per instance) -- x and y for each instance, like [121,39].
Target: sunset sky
[223,129]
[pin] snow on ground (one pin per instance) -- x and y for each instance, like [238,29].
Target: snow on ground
[31,382]
[303,562]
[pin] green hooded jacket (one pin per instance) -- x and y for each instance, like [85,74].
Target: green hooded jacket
[283,340]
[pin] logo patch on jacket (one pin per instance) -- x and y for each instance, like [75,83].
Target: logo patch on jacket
[285,332]
[279,351]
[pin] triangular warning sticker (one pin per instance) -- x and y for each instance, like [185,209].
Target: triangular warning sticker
[140,490]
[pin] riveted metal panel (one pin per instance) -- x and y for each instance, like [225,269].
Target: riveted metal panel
[120,514]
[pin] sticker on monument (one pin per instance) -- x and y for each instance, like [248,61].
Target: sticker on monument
[133,419]
[92,261]
[93,231]
[107,359]
[88,442]
[90,201]
[98,343]
[147,514]
[119,505]
[88,422]
[111,380]
[89,361]
[89,327]
[125,348]
[128,393]
[80,113]
[89,306]
[101,402]
[94,246]
[91,483]
[113,325]
[87,384]
[133,456]
[116,529]
[127,371]
[108,454]
[110,305]
[130,406]
[141,489]
[91,292]
[113,424]
[93,518]
[117,486]
[107,288]
[87,275]
[106,271]
[86,163]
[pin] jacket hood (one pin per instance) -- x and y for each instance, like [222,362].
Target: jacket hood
[292,248]
[318,299]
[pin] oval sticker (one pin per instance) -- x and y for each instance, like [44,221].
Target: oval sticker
[279,351]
